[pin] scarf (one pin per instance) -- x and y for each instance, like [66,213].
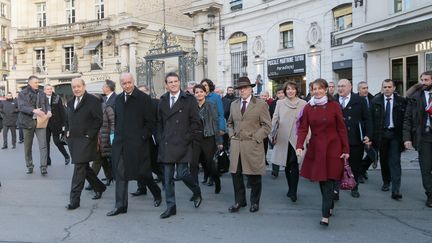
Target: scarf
[321,101]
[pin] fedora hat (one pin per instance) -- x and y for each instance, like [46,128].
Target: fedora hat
[243,82]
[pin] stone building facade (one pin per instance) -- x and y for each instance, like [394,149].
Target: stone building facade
[95,39]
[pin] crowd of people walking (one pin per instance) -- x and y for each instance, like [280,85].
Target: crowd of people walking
[133,136]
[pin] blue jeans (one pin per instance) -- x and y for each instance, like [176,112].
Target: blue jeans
[184,174]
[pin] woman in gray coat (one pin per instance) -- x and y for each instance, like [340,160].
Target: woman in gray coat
[284,120]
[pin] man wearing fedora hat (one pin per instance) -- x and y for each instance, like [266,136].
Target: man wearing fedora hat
[248,124]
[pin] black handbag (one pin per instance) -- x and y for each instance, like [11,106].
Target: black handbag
[221,159]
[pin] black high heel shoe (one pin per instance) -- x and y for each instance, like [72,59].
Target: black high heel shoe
[108,182]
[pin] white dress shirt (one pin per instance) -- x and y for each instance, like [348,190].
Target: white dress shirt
[175,98]
[347,100]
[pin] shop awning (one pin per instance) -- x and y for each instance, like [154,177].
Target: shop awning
[421,23]
[92,45]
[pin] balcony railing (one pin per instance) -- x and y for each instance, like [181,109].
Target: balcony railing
[64,29]
[236,5]
[333,41]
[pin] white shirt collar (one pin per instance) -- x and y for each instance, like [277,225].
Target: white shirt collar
[109,95]
[175,95]
[391,97]
[248,99]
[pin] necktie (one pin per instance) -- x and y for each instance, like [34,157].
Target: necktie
[172,101]
[78,99]
[343,102]
[126,97]
[367,101]
[387,113]
[243,108]
[429,103]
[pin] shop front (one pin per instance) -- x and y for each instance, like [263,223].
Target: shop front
[290,68]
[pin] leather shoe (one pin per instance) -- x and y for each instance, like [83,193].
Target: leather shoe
[117,211]
[217,187]
[168,213]
[4,147]
[324,223]
[197,200]
[396,195]
[355,194]
[157,202]
[72,206]
[29,171]
[254,208]
[139,192]
[44,171]
[13,147]
[429,202]
[361,179]
[385,187]
[67,161]
[236,207]
[98,195]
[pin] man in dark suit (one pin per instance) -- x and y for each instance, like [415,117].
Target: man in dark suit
[55,123]
[387,113]
[356,117]
[84,119]
[363,92]
[109,91]
[417,128]
[135,119]
[9,112]
[179,125]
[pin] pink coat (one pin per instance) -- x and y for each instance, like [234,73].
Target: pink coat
[328,141]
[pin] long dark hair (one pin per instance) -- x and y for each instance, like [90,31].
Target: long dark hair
[323,84]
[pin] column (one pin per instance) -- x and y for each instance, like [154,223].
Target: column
[132,59]
[313,68]
[124,56]
[199,69]
[211,55]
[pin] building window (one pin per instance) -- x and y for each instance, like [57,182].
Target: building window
[100,9]
[41,14]
[3,33]
[428,61]
[96,58]
[40,61]
[239,58]
[3,9]
[236,5]
[342,17]
[286,35]
[401,5]
[69,58]
[404,73]
[70,11]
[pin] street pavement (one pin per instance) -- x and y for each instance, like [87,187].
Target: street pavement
[32,209]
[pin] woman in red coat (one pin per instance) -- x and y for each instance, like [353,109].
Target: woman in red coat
[328,145]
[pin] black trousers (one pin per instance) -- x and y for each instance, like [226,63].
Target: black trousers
[81,173]
[156,167]
[57,143]
[204,151]
[13,133]
[292,171]
[425,160]
[390,160]
[240,189]
[105,163]
[327,197]
[355,161]
[121,186]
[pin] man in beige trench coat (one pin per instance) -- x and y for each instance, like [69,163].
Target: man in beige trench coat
[249,123]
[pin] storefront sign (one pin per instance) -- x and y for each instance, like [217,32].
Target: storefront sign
[285,66]
[423,46]
[346,64]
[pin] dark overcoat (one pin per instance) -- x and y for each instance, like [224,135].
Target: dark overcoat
[108,127]
[378,118]
[328,141]
[57,120]
[357,119]
[28,100]
[134,121]
[82,125]
[415,116]
[9,111]
[178,127]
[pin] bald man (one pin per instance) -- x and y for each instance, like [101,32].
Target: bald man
[84,119]
[358,124]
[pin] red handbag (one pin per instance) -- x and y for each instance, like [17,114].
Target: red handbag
[348,182]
